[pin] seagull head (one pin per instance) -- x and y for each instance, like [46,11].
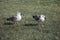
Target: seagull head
[42,16]
[18,13]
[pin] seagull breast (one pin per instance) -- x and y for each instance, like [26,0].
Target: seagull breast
[42,18]
[18,17]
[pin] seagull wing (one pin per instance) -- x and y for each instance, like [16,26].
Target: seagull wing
[36,18]
[11,19]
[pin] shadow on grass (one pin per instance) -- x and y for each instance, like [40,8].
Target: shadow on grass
[30,24]
[8,23]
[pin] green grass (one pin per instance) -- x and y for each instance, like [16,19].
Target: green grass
[28,28]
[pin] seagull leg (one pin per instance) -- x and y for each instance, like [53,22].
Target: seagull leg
[39,22]
[14,22]
[43,24]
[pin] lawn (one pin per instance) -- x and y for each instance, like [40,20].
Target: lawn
[28,28]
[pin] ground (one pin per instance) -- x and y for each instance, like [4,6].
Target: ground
[28,28]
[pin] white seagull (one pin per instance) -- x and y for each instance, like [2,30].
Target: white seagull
[15,18]
[39,18]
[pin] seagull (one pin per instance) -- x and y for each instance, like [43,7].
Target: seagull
[15,18]
[39,17]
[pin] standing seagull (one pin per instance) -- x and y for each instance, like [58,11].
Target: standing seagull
[40,18]
[15,18]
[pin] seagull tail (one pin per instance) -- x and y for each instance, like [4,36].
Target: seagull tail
[8,19]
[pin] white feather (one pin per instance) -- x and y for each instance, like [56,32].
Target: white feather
[18,16]
[42,18]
